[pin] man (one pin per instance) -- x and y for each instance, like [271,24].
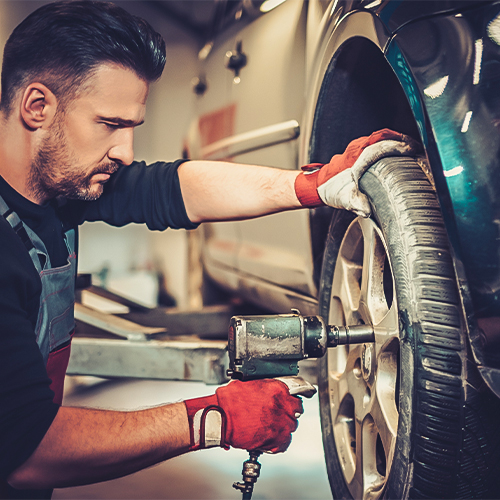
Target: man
[75,81]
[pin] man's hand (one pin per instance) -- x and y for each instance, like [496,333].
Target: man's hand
[336,183]
[253,415]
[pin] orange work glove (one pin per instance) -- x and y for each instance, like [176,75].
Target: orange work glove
[252,415]
[336,183]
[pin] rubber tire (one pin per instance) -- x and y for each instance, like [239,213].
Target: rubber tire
[448,436]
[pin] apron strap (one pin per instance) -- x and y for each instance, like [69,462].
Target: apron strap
[17,225]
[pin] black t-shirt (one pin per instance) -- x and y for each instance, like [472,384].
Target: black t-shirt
[138,193]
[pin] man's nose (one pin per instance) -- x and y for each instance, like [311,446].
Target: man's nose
[123,150]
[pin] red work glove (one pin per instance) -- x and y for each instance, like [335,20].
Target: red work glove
[258,414]
[336,183]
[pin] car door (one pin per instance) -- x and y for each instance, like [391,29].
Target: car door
[252,114]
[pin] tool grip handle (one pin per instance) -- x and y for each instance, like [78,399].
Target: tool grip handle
[298,386]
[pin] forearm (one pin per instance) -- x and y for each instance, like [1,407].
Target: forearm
[214,191]
[86,446]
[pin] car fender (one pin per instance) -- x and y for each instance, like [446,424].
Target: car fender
[462,146]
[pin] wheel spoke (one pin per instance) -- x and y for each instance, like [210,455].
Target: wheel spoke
[385,418]
[342,410]
[346,285]
[373,469]
[387,330]
[389,325]
[357,485]
[372,295]
[339,386]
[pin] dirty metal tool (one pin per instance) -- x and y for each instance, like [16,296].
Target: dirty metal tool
[251,471]
[271,346]
[297,386]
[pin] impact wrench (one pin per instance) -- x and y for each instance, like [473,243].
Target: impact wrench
[271,347]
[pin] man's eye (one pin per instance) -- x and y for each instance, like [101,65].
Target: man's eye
[111,126]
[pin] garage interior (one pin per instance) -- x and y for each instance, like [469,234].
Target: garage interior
[130,259]
[401,307]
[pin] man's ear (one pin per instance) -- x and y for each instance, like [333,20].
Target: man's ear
[38,106]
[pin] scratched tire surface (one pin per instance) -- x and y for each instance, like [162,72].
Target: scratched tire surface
[448,441]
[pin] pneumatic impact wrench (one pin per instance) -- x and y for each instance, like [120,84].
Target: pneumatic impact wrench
[271,347]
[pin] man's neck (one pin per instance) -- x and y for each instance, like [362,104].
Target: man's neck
[16,153]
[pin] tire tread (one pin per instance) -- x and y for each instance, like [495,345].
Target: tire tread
[448,442]
[440,458]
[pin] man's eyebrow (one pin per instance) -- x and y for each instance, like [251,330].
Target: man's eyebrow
[120,121]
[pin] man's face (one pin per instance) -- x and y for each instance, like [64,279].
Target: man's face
[92,137]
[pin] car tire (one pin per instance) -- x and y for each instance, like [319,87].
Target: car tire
[407,416]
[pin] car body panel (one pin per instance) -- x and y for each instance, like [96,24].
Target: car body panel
[274,77]
[454,72]
[397,13]
[444,64]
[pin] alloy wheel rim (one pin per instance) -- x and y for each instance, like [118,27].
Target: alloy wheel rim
[363,379]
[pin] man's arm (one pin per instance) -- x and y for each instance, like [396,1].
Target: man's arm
[86,446]
[230,191]
[217,191]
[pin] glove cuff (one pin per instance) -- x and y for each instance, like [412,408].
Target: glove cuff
[306,189]
[207,423]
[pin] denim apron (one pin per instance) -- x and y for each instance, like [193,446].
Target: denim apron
[55,323]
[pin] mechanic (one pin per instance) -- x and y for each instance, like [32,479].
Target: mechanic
[75,80]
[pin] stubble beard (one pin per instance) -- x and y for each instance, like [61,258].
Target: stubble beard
[55,171]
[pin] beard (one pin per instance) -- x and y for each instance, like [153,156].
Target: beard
[55,172]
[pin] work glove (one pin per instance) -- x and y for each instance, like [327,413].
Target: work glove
[252,415]
[337,183]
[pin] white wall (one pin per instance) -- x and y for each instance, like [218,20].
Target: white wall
[170,107]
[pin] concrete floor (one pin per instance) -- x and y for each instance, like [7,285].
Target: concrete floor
[207,474]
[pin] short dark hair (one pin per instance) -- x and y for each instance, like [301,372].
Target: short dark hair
[62,43]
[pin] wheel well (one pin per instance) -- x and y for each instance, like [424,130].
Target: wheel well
[360,94]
